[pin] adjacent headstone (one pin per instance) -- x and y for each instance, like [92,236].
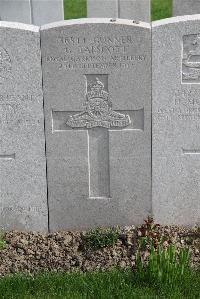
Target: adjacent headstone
[176,120]
[186,7]
[47,11]
[37,12]
[23,198]
[15,11]
[97,93]
[138,10]
[102,9]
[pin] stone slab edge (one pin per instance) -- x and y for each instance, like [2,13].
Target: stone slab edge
[20,26]
[94,21]
[177,19]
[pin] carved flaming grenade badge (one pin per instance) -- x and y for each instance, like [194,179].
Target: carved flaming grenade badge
[98,110]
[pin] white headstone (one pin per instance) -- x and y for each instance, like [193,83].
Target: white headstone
[97,93]
[186,7]
[15,11]
[23,198]
[37,12]
[176,120]
[47,11]
[138,10]
[102,9]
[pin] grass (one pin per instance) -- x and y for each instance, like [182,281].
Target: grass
[166,266]
[78,9]
[75,9]
[161,9]
[114,284]
[167,275]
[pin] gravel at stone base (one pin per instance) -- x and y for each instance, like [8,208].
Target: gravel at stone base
[66,251]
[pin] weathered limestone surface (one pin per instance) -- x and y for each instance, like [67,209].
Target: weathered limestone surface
[97,93]
[47,11]
[15,11]
[186,7]
[176,120]
[23,198]
[102,9]
[37,12]
[138,10]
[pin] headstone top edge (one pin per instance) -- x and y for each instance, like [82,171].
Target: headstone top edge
[177,19]
[95,21]
[20,26]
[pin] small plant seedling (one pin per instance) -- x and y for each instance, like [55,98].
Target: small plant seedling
[164,265]
[2,241]
[101,237]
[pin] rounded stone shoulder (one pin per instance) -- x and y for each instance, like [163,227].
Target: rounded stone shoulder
[95,21]
[179,19]
[19,26]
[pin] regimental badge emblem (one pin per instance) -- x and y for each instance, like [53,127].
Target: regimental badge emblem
[5,65]
[98,110]
[191,59]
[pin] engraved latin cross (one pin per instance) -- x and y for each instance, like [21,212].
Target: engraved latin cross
[98,118]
